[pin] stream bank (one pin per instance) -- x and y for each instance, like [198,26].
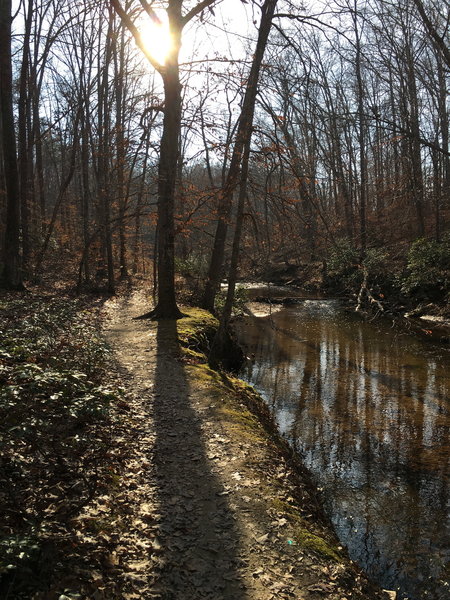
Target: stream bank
[216,505]
[430,320]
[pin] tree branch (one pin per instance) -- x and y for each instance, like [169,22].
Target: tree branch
[129,24]
[151,13]
[196,10]
[432,31]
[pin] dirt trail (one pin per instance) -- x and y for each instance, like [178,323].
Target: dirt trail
[209,505]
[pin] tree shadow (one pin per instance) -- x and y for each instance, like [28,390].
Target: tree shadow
[198,536]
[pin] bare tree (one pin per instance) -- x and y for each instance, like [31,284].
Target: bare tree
[166,307]
[12,268]
[243,135]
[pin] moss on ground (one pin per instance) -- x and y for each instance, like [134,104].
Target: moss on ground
[241,416]
[196,330]
[316,544]
[302,534]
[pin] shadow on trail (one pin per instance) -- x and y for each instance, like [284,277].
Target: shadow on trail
[198,536]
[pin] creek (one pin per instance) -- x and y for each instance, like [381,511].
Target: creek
[367,407]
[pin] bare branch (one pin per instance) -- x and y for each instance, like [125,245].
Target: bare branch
[432,31]
[196,10]
[129,24]
[151,13]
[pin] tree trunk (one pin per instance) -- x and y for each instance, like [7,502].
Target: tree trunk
[122,196]
[24,117]
[166,307]
[444,193]
[12,268]
[361,136]
[103,171]
[85,193]
[219,349]
[244,132]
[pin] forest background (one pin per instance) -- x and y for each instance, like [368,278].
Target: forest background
[346,173]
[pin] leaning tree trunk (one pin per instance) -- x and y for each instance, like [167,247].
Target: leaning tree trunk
[243,134]
[221,351]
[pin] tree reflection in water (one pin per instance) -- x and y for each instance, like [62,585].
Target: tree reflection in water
[368,410]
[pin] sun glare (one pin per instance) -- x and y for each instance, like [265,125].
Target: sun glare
[156,38]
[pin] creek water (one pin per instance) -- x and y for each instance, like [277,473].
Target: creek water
[367,406]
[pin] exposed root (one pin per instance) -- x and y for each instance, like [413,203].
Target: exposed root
[159,313]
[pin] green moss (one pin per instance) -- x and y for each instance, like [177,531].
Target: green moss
[241,385]
[197,329]
[287,510]
[316,544]
[203,373]
[301,533]
[241,415]
[193,355]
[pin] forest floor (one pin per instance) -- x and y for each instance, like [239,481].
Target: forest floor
[208,503]
[131,470]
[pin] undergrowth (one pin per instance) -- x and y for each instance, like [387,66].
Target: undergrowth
[419,273]
[54,417]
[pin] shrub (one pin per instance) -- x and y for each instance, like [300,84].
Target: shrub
[346,270]
[343,261]
[54,413]
[194,265]
[428,268]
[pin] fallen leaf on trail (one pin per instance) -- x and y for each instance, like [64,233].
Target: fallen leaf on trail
[96,576]
[262,538]
[248,483]
[279,522]
[197,564]
[139,524]
[277,586]
[139,565]
[146,510]
[156,545]
[323,588]
[136,579]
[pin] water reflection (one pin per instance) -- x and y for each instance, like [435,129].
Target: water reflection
[368,409]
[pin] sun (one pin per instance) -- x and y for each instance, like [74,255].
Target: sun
[156,39]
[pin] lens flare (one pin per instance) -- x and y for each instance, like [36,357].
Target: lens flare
[157,40]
